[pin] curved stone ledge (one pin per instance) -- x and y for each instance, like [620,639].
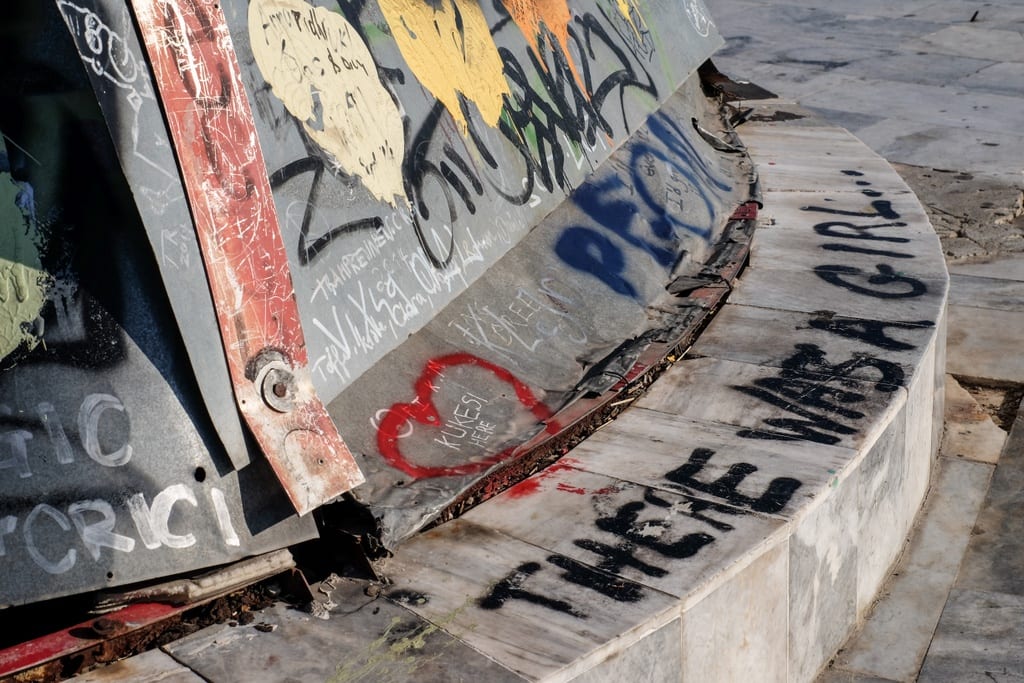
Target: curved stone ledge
[737,520]
[750,504]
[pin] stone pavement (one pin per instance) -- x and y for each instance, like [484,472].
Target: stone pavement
[936,88]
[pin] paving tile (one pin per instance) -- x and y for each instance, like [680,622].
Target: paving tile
[364,639]
[995,555]
[896,635]
[969,432]
[1002,79]
[879,293]
[149,667]
[916,67]
[823,581]
[530,610]
[656,658]
[764,336]
[874,204]
[841,676]
[735,633]
[669,541]
[710,461]
[980,42]
[769,405]
[986,292]
[937,106]
[932,145]
[980,638]
[983,343]
[919,256]
[811,159]
[1001,268]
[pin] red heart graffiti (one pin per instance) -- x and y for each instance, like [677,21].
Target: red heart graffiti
[423,410]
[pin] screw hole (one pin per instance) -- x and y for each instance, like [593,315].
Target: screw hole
[200,474]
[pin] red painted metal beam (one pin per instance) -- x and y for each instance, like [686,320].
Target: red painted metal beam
[88,634]
[211,124]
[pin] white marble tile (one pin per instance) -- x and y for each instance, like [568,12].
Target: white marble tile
[672,542]
[885,487]
[823,581]
[980,42]
[529,609]
[643,445]
[153,666]
[764,336]
[879,293]
[984,343]
[978,639]
[896,635]
[875,203]
[1001,268]
[656,658]
[986,292]
[919,256]
[933,145]
[766,405]
[936,106]
[738,632]
[1006,78]
[361,638]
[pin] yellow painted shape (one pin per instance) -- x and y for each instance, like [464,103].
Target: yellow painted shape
[324,74]
[529,15]
[23,282]
[627,9]
[451,51]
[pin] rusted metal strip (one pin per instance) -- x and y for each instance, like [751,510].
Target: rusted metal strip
[75,639]
[197,75]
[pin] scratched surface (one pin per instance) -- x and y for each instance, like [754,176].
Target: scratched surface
[468,257]
[110,470]
[478,203]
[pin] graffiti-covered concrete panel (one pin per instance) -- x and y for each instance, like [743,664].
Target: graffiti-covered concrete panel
[416,231]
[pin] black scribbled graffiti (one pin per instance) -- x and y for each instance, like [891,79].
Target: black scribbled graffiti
[823,396]
[887,283]
[778,494]
[872,332]
[634,534]
[510,588]
[548,116]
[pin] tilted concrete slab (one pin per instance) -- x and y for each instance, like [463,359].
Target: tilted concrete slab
[749,504]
